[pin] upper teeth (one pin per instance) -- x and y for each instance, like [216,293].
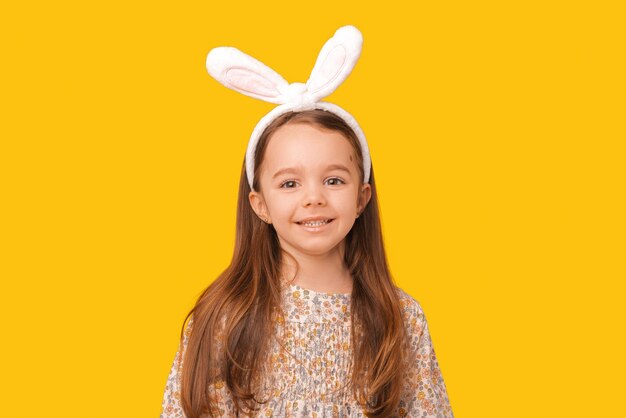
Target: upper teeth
[315,223]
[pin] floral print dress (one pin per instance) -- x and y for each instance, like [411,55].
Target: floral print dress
[311,365]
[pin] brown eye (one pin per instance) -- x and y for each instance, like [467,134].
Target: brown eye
[286,182]
[336,179]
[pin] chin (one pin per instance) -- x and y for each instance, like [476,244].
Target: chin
[319,250]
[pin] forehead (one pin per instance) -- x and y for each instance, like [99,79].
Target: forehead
[308,146]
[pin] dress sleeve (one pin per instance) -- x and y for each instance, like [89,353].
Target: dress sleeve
[171,405]
[425,393]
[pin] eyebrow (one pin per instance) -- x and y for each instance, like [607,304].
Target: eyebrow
[296,169]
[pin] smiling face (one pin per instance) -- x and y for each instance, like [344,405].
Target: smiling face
[310,173]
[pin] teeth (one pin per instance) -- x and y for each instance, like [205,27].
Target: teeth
[315,223]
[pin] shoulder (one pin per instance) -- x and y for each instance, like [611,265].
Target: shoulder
[408,303]
[411,309]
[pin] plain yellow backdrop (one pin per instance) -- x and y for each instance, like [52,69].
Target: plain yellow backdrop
[496,131]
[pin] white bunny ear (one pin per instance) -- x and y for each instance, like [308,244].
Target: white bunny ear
[240,72]
[335,62]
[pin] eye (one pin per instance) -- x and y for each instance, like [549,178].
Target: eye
[336,179]
[286,182]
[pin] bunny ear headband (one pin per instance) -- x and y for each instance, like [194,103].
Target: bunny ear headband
[241,72]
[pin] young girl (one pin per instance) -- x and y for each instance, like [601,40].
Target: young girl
[306,320]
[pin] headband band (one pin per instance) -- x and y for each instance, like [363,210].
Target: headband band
[245,74]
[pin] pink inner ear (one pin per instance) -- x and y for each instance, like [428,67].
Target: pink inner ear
[333,63]
[251,82]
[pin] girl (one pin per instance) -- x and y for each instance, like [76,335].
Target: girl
[306,320]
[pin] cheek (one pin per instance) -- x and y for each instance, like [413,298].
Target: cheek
[281,206]
[346,202]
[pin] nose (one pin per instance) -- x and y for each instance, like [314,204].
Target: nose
[314,195]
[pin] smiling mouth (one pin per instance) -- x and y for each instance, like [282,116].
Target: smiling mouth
[315,223]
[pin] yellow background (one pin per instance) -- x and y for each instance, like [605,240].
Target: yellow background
[496,130]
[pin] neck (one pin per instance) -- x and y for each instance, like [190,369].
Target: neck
[324,273]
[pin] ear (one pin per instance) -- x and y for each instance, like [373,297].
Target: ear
[247,75]
[364,197]
[335,61]
[258,205]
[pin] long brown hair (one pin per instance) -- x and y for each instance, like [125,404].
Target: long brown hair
[237,307]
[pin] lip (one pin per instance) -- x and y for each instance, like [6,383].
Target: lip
[314,218]
[315,228]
